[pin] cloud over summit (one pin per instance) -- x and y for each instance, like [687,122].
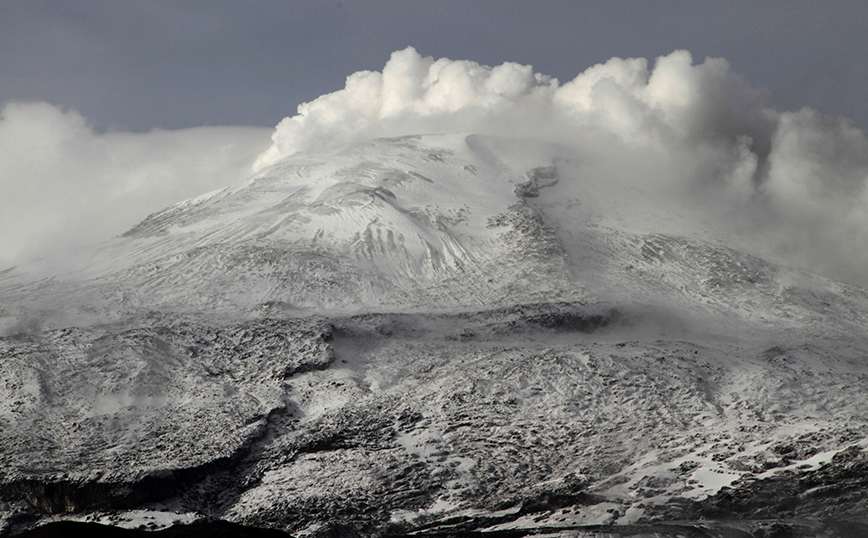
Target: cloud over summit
[795,178]
[416,94]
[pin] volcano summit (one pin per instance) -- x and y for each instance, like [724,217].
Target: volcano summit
[449,334]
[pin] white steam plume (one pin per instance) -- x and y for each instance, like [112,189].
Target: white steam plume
[416,94]
[797,179]
[63,186]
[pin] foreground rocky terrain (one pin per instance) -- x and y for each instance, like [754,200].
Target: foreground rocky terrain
[435,336]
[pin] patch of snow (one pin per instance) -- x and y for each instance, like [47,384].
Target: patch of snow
[152,520]
[440,506]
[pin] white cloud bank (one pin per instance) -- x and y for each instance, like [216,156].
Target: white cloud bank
[795,178]
[415,94]
[63,186]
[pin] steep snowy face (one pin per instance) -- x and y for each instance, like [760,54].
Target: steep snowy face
[413,222]
[380,218]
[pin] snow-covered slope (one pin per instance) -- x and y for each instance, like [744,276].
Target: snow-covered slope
[421,223]
[440,334]
[403,223]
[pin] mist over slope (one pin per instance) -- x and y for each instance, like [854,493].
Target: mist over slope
[426,223]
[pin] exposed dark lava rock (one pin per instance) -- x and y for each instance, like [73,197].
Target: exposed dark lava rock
[837,490]
[85,458]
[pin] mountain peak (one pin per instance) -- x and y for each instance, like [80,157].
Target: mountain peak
[428,223]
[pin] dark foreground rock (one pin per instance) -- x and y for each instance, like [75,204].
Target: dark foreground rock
[215,529]
[523,420]
[705,529]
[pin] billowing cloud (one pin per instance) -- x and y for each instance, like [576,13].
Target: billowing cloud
[817,191]
[416,94]
[795,180]
[63,186]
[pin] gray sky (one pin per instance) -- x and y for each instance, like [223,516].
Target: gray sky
[135,65]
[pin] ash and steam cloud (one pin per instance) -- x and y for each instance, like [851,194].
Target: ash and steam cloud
[675,101]
[795,180]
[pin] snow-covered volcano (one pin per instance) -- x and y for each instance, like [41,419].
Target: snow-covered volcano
[442,334]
